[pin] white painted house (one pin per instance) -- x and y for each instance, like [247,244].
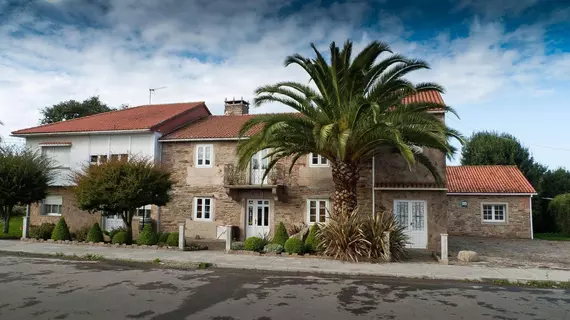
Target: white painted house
[93,139]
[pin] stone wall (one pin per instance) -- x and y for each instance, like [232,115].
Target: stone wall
[74,217]
[468,221]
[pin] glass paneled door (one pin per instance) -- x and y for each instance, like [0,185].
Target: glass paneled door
[257,218]
[412,215]
[258,165]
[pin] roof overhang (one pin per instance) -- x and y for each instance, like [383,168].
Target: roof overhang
[489,194]
[202,139]
[410,189]
[71,133]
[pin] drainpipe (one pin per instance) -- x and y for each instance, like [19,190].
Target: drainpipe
[531,228]
[373,183]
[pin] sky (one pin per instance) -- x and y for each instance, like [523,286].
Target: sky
[505,64]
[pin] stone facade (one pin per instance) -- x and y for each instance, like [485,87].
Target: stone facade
[74,217]
[468,221]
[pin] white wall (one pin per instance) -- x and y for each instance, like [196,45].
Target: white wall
[83,146]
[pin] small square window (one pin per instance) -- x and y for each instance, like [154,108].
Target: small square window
[317,160]
[317,210]
[494,212]
[203,209]
[204,155]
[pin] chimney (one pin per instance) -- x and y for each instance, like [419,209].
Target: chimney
[236,107]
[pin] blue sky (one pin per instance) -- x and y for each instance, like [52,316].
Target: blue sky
[505,64]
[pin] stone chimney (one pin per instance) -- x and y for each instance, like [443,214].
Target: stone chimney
[236,107]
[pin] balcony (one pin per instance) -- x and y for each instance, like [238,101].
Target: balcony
[236,180]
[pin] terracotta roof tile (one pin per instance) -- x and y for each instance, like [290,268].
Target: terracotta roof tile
[424,96]
[211,127]
[136,118]
[487,179]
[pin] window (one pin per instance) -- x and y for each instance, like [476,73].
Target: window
[494,212]
[144,211]
[59,155]
[204,155]
[316,160]
[102,158]
[203,209]
[51,206]
[317,211]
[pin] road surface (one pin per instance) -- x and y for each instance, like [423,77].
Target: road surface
[40,288]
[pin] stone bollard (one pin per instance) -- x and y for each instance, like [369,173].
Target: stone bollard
[181,238]
[444,253]
[228,238]
[25,227]
[386,249]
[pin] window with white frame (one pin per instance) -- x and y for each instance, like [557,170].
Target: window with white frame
[204,155]
[51,206]
[58,154]
[317,210]
[144,211]
[493,212]
[316,160]
[203,209]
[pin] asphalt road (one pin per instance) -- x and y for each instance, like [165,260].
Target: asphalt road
[39,288]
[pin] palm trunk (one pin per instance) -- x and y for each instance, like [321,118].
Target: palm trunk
[345,177]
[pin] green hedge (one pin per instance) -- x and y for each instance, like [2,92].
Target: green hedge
[95,234]
[81,233]
[281,234]
[61,231]
[43,231]
[147,236]
[294,245]
[312,242]
[119,237]
[113,232]
[172,239]
[163,237]
[254,244]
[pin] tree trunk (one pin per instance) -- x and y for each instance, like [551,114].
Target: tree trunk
[5,213]
[345,177]
[128,219]
[6,222]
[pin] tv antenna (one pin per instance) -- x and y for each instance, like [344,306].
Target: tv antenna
[150,92]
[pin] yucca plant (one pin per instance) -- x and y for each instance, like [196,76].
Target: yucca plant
[342,237]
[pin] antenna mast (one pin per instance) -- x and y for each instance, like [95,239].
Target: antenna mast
[150,92]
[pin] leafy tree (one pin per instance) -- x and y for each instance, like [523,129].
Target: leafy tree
[120,187]
[72,109]
[357,108]
[560,206]
[552,184]
[493,148]
[24,179]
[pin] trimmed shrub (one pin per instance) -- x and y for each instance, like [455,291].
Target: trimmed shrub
[147,236]
[238,245]
[312,242]
[61,231]
[294,245]
[281,234]
[43,231]
[113,232]
[254,244]
[95,234]
[120,237]
[273,248]
[172,239]
[81,233]
[163,237]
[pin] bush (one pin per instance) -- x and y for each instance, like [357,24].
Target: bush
[238,245]
[281,234]
[273,248]
[560,206]
[113,232]
[43,231]
[119,237]
[172,239]
[147,237]
[95,234]
[61,231]
[163,237]
[312,243]
[294,245]
[355,237]
[81,234]
[254,244]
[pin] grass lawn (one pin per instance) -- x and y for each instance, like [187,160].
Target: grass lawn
[552,236]
[15,228]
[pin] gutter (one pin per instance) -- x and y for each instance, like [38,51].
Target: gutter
[489,194]
[203,139]
[24,135]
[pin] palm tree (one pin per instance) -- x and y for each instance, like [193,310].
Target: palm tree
[355,108]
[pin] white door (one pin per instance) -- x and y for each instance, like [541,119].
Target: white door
[412,215]
[258,165]
[113,222]
[257,218]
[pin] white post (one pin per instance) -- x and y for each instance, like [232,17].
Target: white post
[228,238]
[444,253]
[531,228]
[25,227]
[181,238]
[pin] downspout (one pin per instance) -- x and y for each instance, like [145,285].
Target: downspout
[373,184]
[531,228]
[159,154]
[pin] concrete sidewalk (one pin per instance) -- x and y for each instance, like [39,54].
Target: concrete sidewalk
[275,263]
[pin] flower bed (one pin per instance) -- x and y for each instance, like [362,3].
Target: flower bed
[284,254]
[110,245]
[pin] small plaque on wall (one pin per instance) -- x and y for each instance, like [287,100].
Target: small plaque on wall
[463,204]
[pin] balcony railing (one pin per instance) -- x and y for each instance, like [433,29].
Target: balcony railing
[252,177]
